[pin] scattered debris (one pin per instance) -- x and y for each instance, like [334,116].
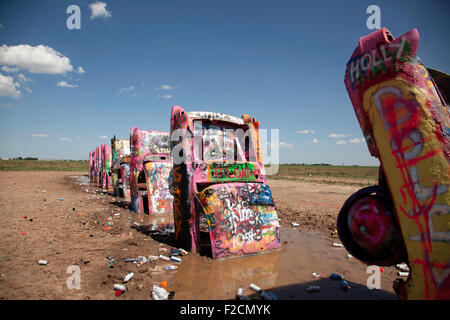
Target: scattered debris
[295,224]
[337,245]
[403,274]
[348,256]
[316,275]
[176,259]
[43,262]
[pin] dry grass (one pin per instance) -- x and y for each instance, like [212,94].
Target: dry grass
[43,165]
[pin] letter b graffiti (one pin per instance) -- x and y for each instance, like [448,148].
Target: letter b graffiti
[374,281]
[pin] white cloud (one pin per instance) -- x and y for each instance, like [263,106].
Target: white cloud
[39,135]
[66,139]
[103,137]
[38,59]
[80,70]
[341,142]
[125,89]
[8,87]
[164,87]
[286,145]
[66,85]
[305,131]
[338,135]
[5,105]
[28,90]
[98,9]
[356,140]
[9,70]
[165,96]
[22,78]
[315,140]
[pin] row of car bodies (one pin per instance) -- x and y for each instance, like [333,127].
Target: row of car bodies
[208,173]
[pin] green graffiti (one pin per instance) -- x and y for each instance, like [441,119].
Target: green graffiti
[232,171]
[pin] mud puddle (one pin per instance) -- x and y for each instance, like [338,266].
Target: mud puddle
[287,272]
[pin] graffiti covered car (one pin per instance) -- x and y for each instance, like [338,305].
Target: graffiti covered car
[405,121]
[120,167]
[105,170]
[150,166]
[219,180]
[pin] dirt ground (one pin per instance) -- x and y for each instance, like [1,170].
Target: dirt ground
[51,216]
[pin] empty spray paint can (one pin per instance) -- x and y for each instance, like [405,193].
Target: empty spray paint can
[128,277]
[345,285]
[120,287]
[171,268]
[403,274]
[335,276]
[183,252]
[164,258]
[176,259]
[43,262]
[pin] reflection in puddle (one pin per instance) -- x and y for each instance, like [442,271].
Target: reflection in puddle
[302,253]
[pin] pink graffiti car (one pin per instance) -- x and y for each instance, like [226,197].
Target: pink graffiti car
[401,108]
[222,204]
[150,166]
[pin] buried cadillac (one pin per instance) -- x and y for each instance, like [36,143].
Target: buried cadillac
[222,205]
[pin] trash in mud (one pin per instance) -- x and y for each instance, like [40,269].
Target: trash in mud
[402,267]
[313,288]
[403,274]
[316,275]
[240,294]
[61,199]
[159,293]
[183,252]
[348,256]
[164,258]
[345,285]
[266,295]
[170,267]
[120,287]
[128,277]
[176,259]
[295,224]
[43,262]
[335,276]
[337,245]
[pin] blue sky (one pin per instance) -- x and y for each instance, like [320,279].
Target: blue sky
[282,62]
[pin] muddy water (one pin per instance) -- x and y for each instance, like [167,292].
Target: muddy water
[286,272]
